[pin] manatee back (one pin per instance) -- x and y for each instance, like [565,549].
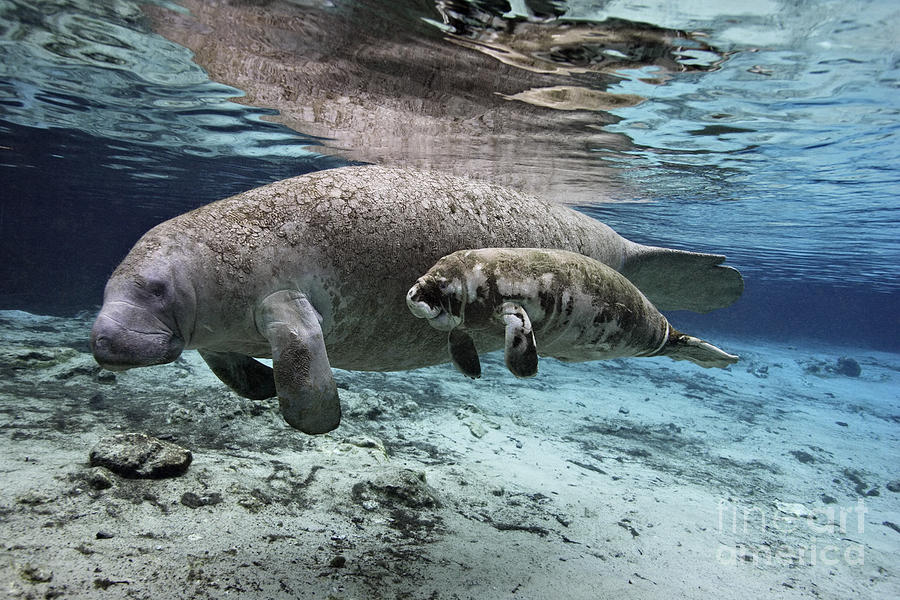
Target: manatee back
[391,222]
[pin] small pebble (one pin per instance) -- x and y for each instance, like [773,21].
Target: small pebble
[99,478]
[338,562]
[192,500]
[36,574]
[847,366]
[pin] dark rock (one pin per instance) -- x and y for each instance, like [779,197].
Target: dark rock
[761,372]
[34,574]
[255,501]
[103,535]
[139,455]
[105,376]
[192,500]
[859,484]
[638,452]
[841,423]
[846,366]
[53,592]
[36,356]
[106,583]
[802,456]
[894,486]
[502,526]
[376,406]
[338,562]
[828,499]
[401,488]
[563,520]
[33,498]
[627,526]
[99,478]
[587,466]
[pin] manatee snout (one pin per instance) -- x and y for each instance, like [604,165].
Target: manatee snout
[424,299]
[437,300]
[132,338]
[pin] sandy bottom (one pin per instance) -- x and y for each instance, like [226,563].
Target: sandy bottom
[646,478]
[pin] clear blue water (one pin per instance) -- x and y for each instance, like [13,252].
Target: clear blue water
[770,134]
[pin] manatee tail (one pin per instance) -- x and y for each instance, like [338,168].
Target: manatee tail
[686,347]
[679,280]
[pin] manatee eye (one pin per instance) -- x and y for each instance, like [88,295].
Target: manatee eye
[157,288]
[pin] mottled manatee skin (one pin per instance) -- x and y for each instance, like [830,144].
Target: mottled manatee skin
[353,240]
[580,309]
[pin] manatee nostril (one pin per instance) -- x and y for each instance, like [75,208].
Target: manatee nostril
[100,346]
[417,301]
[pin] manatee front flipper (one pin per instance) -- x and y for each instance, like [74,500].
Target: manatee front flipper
[247,377]
[521,352]
[306,388]
[463,353]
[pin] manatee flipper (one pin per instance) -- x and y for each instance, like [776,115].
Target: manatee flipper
[463,353]
[680,280]
[520,350]
[247,377]
[687,347]
[306,388]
